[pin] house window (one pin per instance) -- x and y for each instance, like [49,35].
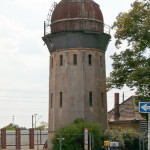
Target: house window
[90,59]
[90,99]
[75,59]
[102,98]
[61,60]
[51,62]
[51,100]
[61,99]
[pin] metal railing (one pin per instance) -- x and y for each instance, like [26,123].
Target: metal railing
[23,139]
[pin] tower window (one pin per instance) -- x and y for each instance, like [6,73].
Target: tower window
[102,97]
[51,100]
[75,59]
[61,60]
[100,60]
[90,99]
[51,62]
[90,59]
[61,99]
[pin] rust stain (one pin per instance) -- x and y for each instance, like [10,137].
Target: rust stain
[76,15]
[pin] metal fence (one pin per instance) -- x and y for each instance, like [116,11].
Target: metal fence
[23,139]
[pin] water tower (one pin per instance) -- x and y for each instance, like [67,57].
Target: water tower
[77,43]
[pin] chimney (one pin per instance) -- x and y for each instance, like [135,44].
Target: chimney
[116,110]
[123,97]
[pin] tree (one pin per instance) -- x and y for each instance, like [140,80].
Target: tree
[43,126]
[131,67]
[73,135]
[11,127]
[23,128]
[127,138]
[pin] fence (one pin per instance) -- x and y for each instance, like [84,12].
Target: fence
[23,139]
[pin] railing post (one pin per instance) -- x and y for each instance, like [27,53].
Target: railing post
[44,28]
[31,139]
[3,138]
[18,139]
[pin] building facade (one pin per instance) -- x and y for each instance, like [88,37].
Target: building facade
[77,44]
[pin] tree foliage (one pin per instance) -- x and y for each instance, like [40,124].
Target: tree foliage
[43,126]
[73,135]
[127,138]
[11,126]
[131,66]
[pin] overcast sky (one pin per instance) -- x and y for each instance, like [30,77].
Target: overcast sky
[24,60]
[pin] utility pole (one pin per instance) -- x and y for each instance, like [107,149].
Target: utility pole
[144,107]
[32,120]
[13,120]
[35,119]
[148,131]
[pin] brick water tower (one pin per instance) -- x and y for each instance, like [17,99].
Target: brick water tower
[77,44]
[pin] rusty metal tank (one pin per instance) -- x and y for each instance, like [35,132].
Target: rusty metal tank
[75,15]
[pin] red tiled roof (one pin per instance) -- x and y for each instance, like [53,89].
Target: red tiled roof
[128,111]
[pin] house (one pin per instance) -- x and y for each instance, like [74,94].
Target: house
[126,115]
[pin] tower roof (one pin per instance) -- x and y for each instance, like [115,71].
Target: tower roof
[70,15]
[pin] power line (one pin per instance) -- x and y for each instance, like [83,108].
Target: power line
[21,101]
[24,91]
[22,97]
[27,111]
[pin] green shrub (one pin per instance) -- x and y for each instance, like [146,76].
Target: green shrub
[73,135]
[127,138]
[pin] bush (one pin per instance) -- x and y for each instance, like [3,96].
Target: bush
[73,135]
[127,138]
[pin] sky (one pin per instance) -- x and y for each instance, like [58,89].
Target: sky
[24,59]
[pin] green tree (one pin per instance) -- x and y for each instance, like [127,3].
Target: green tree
[23,128]
[11,126]
[127,138]
[43,126]
[131,67]
[73,135]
